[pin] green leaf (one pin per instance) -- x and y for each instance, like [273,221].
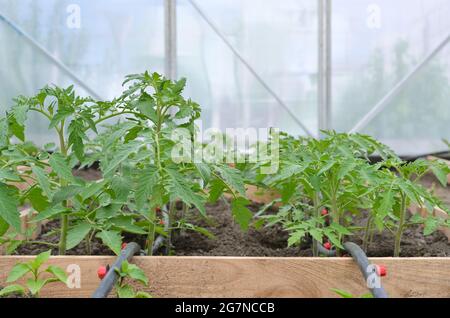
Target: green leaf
[125,291]
[147,180]
[92,190]
[216,190]
[121,187]
[17,272]
[112,239]
[232,177]
[241,213]
[122,154]
[76,234]
[6,175]
[76,137]
[295,238]
[50,213]
[431,226]
[4,139]
[316,234]
[441,173]
[40,259]
[126,224]
[179,188]
[60,166]
[141,294]
[12,289]
[137,274]
[43,180]
[8,206]
[4,226]
[35,286]
[58,272]
[66,193]
[37,200]
[342,293]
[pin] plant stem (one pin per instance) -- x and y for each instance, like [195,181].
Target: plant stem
[367,233]
[317,214]
[151,232]
[399,233]
[64,218]
[170,218]
[336,218]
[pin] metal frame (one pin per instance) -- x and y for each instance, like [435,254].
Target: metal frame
[170,38]
[28,38]
[324,63]
[384,102]
[248,66]
[324,66]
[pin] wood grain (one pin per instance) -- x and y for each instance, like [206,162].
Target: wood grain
[259,277]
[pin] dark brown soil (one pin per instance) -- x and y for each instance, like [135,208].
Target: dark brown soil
[230,240]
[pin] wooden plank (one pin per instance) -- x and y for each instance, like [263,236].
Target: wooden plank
[259,277]
[431,158]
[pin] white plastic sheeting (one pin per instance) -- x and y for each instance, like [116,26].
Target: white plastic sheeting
[375,44]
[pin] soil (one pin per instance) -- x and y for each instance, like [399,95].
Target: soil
[230,240]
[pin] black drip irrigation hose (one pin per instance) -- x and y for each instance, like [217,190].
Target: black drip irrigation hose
[363,262]
[366,268]
[111,277]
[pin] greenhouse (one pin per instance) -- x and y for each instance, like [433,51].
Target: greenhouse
[187,148]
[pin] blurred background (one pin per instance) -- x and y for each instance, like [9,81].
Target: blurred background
[379,67]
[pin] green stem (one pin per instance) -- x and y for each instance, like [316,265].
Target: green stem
[64,218]
[367,233]
[171,217]
[151,232]
[399,233]
[317,214]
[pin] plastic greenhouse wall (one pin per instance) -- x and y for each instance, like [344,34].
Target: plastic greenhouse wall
[374,45]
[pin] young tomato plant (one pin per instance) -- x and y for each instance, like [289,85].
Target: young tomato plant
[130,272]
[37,282]
[47,174]
[398,187]
[154,151]
[323,185]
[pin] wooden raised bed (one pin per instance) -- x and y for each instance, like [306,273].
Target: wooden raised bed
[258,277]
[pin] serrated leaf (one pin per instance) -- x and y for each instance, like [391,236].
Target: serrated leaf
[50,213]
[92,189]
[126,223]
[179,188]
[37,200]
[241,213]
[76,234]
[8,206]
[137,274]
[148,178]
[232,178]
[60,166]
[120,156]
[43,180]
[112,239]
[125,291]
[66,193]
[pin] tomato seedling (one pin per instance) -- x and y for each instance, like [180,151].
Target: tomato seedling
[37,282]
